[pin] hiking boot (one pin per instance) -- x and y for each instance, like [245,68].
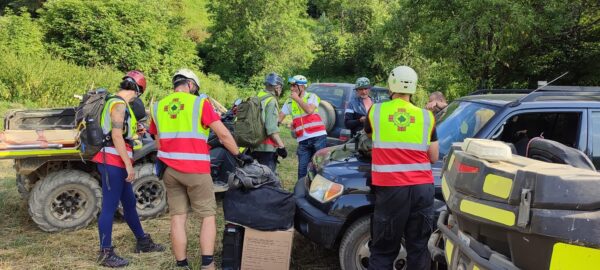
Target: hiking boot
[145,244]
[220,186]
[211,266]
[108,258]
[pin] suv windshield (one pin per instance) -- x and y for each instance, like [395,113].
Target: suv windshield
[331,93]
[460,120]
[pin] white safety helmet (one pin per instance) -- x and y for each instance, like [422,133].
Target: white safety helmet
[403,79]
[188,74]
[298,79]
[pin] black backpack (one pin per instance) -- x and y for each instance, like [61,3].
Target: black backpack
[88,115]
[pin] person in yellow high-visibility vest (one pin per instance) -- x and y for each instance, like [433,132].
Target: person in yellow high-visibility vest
[115,165]
[307,124]
[181,123]
[266,153]
[404,147]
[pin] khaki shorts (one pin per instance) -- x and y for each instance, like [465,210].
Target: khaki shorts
[185,190]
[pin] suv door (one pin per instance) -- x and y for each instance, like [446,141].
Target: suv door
[567,126]
[594,138]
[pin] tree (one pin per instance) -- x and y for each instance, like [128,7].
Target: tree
[503,43]
[20,35]
[252,37]
[126,34]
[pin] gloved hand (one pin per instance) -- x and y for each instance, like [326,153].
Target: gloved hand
[282,152]
[244,159]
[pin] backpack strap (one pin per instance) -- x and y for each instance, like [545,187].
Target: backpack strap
[264,101]
[125,120]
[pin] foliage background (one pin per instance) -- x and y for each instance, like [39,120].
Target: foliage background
[53,49]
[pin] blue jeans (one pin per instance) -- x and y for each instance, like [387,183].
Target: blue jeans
[306,149]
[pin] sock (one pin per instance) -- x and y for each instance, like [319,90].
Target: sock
[182,262]
[207,259]
[144,236]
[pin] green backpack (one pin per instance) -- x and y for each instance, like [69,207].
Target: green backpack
[249,126]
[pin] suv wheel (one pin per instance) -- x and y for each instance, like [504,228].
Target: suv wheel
[150,193]
[354,248]
[66,200]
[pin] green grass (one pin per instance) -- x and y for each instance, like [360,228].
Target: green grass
[24,246]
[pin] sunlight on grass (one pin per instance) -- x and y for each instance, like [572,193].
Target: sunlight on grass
[24,246]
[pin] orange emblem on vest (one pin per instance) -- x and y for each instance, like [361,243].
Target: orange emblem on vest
[174,108]
[401,119]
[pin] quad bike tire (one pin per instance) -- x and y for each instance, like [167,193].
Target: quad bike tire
[65,200]
[327,113]
[22,186]
[354,250]
[150,193]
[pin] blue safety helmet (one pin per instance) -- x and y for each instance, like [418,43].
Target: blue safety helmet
[273,79]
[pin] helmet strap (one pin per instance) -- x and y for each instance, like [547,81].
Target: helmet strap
[138,90]
[195,90]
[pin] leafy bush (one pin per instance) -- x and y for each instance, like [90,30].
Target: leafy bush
[19,34]
[125,34]
[250,38]
[49,82]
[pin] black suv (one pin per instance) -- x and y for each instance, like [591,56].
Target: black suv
[339,96]
[334,202]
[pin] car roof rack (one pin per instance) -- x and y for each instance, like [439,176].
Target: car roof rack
[500,91]
[583,93]
[591,93]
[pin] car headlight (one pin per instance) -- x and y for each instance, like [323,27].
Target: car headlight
[324,190]
[320,157]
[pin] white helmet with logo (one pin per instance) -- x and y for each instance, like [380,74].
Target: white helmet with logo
[298,79]
[188,74]
[403,79]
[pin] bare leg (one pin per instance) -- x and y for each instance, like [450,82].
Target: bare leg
[208,235]
[179,236]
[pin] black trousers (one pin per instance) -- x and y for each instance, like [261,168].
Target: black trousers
[222,163]
[401,212]
[268,159]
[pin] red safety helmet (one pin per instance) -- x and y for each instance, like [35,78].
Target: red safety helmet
[139,79]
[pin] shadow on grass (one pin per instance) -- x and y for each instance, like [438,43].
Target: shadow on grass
[25,246]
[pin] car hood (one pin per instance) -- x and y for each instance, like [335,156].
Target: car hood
[340,162]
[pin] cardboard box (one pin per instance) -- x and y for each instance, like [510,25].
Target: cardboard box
[270,250]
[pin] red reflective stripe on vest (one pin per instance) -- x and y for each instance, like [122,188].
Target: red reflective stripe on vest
[111,157]
[400,161]
[301,124]
[402,178]
[188,166]
[186,145]
[398,156]
[183,146]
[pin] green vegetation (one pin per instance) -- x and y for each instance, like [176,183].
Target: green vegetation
[454,46]
[23,245]
[249,38]
[53,49]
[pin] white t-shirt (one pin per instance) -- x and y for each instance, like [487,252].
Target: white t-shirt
[287,110]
